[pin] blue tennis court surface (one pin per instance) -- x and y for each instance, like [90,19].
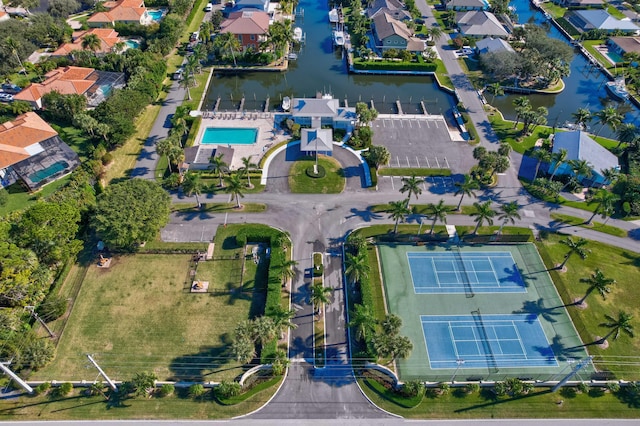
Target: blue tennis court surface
[481,341]
[460,272]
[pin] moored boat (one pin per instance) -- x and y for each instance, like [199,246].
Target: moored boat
[297,33]
[286,103]
[338,38]
[618,89]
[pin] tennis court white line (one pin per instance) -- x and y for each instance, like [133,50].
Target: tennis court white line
[453,340]
[520,338]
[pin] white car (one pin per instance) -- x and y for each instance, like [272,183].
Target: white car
[5,97]
[208,8]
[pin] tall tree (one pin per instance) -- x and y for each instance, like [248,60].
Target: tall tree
[582,117]
[287,271]
[219,166]
[365,114]
[617,325]
[13,46]
[377,155]
[411,186]
[582,169]
[575,247]
[597,282]
[558,158]
[521,104]
[608,116]
[438,212]
[605,202]
[356,266]
[319,296]
[542,156]
[362,320]
[187,80]
[91,42]
[282,319]
[626,132]
[398,211]
[466,187]
[496,90]
[483,213]
[192,185]
[228,42]
[509,212]
[235,188]
[247,166]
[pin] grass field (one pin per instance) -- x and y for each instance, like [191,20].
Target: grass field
[332,183]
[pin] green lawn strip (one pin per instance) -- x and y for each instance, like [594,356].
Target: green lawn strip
[270,152]
[616,263]
[76,139]
[318,340]
[443,75]
[143,301]
[377,294]
[163,247]
[301,183]
[590,207]
[197,92]
[409,171]
[540,404]
[390,396]
[195,18]
[554,10]
[613,11]
[590,45]
[20,199]
[596,226]
[219,207]
[162,167]
[266,384]
[79,407]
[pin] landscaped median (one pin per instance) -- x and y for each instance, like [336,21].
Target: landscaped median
[319,350]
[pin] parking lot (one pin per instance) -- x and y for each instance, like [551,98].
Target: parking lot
[430,184]
[423,142]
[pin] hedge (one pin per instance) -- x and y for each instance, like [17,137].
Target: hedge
[394,66]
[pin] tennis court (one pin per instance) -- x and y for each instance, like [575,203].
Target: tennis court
[459,272]
[478,312]
[491,341]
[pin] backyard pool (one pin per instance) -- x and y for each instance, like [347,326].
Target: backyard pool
[132,44]
[615,57]
[156,14]
[229,136]
[48,172]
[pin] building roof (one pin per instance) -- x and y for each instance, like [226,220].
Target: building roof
[392,7]
[600,19]
[3,16]
[580,146]
[477,4]
[627,44]
[480,23]
[66,81]
[386,26]
[312,107]
[246,22]
[122,10]
[108,38]
[491,44]
[20,138]
[320,140]
[585,3]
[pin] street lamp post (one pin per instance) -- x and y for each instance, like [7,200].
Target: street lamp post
[460,363]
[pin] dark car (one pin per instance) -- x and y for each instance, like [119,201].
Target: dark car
[11,88]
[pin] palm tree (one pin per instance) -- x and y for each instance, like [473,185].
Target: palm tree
[608,116]
[192,185]
[91,42]
[398,211]
[496,90]
[575,246]
[411,186]
[605,201]
[219,166]
[435,32]
[626,133]
[287,271]
[558,158]
[466,187]
[319,296]
[581,117]
[509,213]
[622,323]
[611,174]
[247,165]
[356,266]
[543,156]
[264,329]
[483,213]
[235,188]
[598,282]
[187,80]
[12,44]
[438,212]
[363,320]
[521,104]
[392,347]
[229,42]
[282,319]
[582,169]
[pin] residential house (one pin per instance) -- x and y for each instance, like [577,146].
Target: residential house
[598,19]
[316,140]
[261,5]
[580,146]
[250,26]
[31,152]
[493,45]
[393,8]
[389,33]
[198,157]
[121,11]
[480,24]
[108,41]
[464,5]
[622,45]
[4,16]
[580,3]
[322,111]
[95,85]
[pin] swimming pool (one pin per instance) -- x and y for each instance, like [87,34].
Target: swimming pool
[133,44]
[40,175]
[615,56]
[156,15]
[229,136]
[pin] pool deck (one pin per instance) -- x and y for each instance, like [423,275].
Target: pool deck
[269,133]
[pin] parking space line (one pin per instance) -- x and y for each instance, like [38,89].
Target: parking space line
[398,160]
[447,161]
[428,165]
[392,185]
[437,163]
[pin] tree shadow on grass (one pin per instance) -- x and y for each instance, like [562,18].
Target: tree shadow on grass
[209,360]
[501,401]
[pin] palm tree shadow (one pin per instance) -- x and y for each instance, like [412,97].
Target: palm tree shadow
[534,308]
[514,275]
[367,215]
[558,350]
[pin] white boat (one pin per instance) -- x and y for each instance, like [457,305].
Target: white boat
[292,56]
[338,38]
[297,34]
[286,103]
[334,16]
[618,89]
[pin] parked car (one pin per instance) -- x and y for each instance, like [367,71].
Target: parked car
[194,36]
[178,74]
[6,97]
[208,8]
[11,88]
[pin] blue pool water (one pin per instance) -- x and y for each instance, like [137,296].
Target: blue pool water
[133,44]
[156,15]
[106,89]
[229,136]
[49,171]
[615,57]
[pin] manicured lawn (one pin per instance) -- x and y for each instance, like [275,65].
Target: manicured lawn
[20,199]
[218,207]
[76,139]
[139,315]
[590,46]
[554,10]
[332,183]
[596,226]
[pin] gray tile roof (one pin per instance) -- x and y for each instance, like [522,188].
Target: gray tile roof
[320,139]
[311,107]
[386,26]
[480,23]
[580,146]
[491,44]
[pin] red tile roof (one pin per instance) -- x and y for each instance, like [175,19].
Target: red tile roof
[66,81]
[246,22]
[18,135]
[108,38]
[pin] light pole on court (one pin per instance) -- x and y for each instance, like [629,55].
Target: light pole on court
[460,363]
